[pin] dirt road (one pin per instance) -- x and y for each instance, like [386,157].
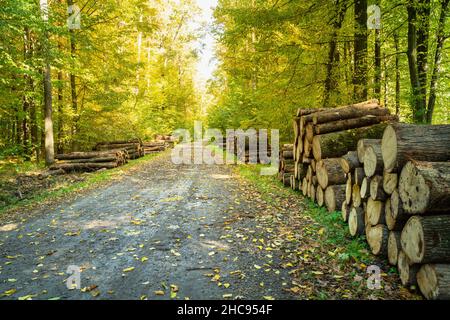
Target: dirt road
[161,232]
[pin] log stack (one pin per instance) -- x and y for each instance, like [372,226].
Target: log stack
[90,161]
[286,165]
[133,147]
[390,180]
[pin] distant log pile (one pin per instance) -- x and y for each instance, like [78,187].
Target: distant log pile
[160,144]
[248,148]
[133,147]
[90,161]
[390,180]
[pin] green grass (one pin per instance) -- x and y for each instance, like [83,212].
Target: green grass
[92,180]
[274,192]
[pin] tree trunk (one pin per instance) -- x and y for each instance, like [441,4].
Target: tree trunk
[377,238]
[360,53]
[356,223]
[358,110]
[397,74]
[376,189]
[73,85]
[330,172]
[337,144]
[407,270]
[350,162]
[394,247]
[427,239]
[434,281]
[403,142]
[351,123]
[424,187]
[334,197]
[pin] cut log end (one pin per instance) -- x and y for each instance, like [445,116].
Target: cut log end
[434,281]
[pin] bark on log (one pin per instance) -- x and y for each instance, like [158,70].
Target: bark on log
[350,161]
[305,112]
[427,239]
[337,144]
[354,123]
[424,187]
[356,225]
[404,142]
[330,172]
[359,176]
[85,155]
[434,281]
[393,223]
[70,167]
[377,238]
[376,189]
[375,212]
[394,247]
[345,210]
[334,197]
[346,112]
[407,270]
[390,182]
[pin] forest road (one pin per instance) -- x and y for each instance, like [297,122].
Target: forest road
[163,231]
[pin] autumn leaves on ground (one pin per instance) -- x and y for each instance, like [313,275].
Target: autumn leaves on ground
[161,231]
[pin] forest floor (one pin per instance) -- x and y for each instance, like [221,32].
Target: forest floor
[163,231]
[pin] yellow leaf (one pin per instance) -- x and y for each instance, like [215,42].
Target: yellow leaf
[143,259]
[128,269]
[143,297]
[226,285]
[27,297]
[268,298]
[159,293]
[227,296]
[257,267]
[9,292]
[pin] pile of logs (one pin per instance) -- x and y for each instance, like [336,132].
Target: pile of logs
[90,161]
[133,147]
[391,182]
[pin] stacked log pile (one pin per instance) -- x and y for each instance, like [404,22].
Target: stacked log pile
[89,161]
[391,182]
[133,147]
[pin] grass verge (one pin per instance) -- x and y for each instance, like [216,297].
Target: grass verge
[274,192]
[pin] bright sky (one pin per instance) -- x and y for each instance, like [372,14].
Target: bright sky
[207,63]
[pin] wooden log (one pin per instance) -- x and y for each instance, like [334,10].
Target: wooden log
[358,176]
[85,155]
[288,155]
[112,158]
[403,142]
[375,212]
[356,225]
[320,196]
[305,187]
[314,180]
[334,197]
[309,173]
[394,247]
[300,170]
[287,179]
[365,188]
[407,270]
[397,207]
[70,167]
[345,211]
[350,161]
[330,172]
[307,148]
[373,160]
[390,182]
[356,196]
[309,132]
[377,238]
[312,192]
[376,189]
[337,144]
[353,123]
[392,223]
[424,187]
[313,165]
[362,146]
[305,112]
[346,112]
[434,281]
[349,189]
[427,239]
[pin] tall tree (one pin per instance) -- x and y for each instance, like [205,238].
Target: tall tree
[360,53]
